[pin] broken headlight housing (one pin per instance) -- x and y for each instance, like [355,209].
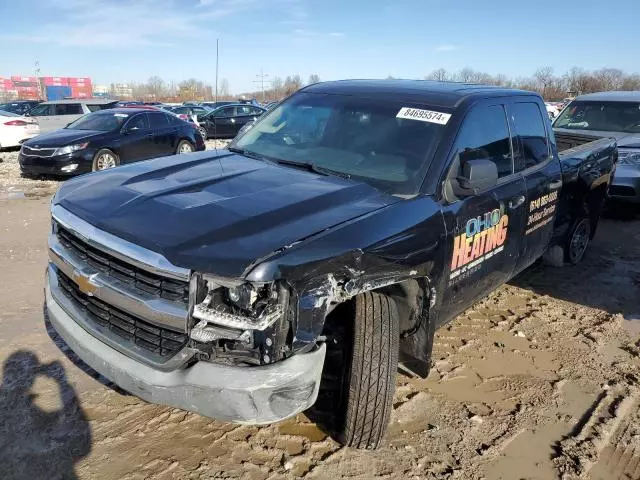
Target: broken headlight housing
[238,319]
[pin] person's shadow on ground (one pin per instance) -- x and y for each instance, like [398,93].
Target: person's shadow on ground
[37,444]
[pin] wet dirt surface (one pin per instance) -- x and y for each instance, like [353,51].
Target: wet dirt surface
[539,381]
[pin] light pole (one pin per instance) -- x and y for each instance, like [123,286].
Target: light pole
[261,76]
[217,56]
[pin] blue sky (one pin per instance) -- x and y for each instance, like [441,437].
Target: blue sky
[120,40]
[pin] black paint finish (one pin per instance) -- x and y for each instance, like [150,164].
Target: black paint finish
[329,237]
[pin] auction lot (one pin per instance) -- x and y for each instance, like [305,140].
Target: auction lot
[539,380]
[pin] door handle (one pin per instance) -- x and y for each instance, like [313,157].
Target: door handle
[555,185]
[515,202]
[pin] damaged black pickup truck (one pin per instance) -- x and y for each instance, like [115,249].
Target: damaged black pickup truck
[337,234]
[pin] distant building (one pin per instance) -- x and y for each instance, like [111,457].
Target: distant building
[121,90]
[100,90]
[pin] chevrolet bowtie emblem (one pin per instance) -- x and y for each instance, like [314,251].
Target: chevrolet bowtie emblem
[84,283]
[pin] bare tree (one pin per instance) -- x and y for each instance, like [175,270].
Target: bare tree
[155,87]
[439,75]
[313,78]
[292,84]
[544,76]
[223,89]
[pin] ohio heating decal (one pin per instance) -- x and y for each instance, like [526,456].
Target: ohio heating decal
[541,211]
[484,237]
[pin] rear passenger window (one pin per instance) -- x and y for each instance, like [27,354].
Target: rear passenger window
[485,135]
[138,122]
[68,109]
[157,120]
[532,135]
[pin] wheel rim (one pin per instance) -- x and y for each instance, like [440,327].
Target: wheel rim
[580,240]
[105,161]
[203,132]
[185,148]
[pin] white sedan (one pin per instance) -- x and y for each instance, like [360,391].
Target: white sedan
[16,128]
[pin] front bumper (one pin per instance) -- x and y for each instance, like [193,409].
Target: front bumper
[252,395]
[54,165]
[626,184]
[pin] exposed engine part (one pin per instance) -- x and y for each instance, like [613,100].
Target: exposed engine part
[205,332]
[209,311]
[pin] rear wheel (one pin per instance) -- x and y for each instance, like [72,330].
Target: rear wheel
[105,159]
[184,147]
[369,374]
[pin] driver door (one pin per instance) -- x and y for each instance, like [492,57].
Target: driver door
[224,122]
[484,228]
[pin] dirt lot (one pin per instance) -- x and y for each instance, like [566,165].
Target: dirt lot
[540,380]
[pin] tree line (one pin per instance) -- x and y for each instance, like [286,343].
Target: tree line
[552,87]
[193,89]
[544,81]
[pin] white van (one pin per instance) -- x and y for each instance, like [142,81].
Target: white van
[59,113]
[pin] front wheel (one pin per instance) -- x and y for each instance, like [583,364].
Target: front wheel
[105,159]
[203,132]
[370,371]
[184,147]
[578,241]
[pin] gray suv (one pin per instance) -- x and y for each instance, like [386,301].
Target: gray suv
[59,113]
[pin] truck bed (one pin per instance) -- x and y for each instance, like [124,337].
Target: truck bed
[568,141]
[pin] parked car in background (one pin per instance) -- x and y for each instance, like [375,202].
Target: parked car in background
[106,139]
[19,107]
[270,105]
[552,110]
[192,110]
[128,103]
[14,129]
[213,105]
[607,114]
[226,121]
[59,113]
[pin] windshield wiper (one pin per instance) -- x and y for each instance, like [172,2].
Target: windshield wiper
[312,167]
[249,154]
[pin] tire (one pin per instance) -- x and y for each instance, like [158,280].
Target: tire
[184,147]
[578,241]
[370,371]
[104,159]
[203,132]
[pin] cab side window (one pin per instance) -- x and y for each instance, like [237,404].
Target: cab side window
[485,135]
[531,134]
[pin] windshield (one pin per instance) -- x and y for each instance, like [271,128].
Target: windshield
[601,116]
[102,121]
[363,138]
[5,113]
[10,107]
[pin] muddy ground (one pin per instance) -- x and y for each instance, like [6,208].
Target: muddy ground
[541,380]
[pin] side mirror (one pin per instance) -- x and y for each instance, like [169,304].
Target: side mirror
[477,176]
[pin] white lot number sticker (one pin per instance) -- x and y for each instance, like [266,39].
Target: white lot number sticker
[424,115]
[121,115]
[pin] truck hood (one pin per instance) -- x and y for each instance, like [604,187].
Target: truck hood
[216,212]
[625,140]
[62,137]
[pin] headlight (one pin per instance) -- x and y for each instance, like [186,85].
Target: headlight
[629,157]
[71,148]
[245,306]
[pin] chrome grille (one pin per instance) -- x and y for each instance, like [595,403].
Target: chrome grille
[130,328]
[37,152]
[174,290]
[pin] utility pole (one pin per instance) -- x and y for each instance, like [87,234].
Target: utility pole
[217,56]
[261,76]
[37,72]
